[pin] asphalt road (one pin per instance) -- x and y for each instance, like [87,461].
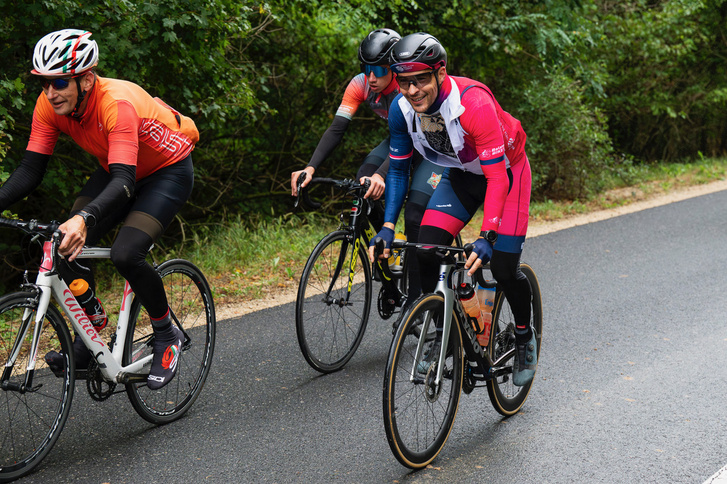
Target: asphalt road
[630,387]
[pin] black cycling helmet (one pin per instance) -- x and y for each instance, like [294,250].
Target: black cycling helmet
[376,47]
[417,52]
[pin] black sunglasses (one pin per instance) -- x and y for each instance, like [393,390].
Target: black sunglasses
[418,81]
[58,83]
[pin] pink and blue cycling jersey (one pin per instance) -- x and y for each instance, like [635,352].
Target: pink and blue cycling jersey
[470,131]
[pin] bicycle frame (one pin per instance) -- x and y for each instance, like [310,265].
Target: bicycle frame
[50,284]
[362,231]
[479,359]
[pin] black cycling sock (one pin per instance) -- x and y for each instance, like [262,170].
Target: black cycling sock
[523,333]
[162,324]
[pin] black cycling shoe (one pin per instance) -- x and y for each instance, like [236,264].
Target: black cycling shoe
[56,361]
[167,348]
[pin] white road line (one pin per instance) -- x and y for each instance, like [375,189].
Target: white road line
[719,478]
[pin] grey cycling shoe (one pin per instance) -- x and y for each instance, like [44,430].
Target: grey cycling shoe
[526,361]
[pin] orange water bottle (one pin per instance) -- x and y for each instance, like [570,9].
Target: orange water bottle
[486,296]
[90,303]
[471,306]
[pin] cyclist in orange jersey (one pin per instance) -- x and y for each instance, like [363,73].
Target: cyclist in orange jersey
[144,148]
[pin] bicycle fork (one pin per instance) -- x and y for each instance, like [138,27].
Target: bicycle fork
[27,385]
[350,266]
[445,272]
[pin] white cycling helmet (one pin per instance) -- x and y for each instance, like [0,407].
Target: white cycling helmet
[65,52]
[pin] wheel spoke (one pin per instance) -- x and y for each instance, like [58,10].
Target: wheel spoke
[31,420]
[331,316]
[190,300]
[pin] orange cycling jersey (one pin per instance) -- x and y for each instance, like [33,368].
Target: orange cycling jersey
[358,91]
[123,124]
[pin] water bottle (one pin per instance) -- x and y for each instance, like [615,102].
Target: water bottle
[396,260]
[471,306]
[486,295]
[90,303]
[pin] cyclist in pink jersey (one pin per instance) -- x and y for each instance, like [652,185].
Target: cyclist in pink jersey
[377,87]
[457,123]
[144,149]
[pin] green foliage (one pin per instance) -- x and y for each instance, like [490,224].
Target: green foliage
[667,84]
[10,98]
[569,148]
[262,80]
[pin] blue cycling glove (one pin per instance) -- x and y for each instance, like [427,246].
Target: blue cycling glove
[386,234]
[483,249]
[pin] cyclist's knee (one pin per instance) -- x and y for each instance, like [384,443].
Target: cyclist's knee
[128,252]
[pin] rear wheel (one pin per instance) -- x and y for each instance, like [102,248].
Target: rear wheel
[193,311]
[506,397]
[31,417]
[333,303]
[418,412]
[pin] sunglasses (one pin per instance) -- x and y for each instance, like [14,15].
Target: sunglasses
[379,71]
[58,83]
[418,81]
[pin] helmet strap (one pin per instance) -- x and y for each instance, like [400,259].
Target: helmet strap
[437,102]
[81,96]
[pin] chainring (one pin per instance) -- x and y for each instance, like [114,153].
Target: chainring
[96,384]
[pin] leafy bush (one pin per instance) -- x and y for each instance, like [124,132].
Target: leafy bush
[568,146]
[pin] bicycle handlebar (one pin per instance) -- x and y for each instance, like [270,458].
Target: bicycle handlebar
[440,251]
[347,185]
[41,228]
[32,226]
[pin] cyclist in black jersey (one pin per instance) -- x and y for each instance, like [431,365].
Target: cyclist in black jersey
[377,87]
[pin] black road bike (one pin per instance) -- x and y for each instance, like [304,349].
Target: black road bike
[421,392]
[336,285]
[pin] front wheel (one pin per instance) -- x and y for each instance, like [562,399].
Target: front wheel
[506,397]
[33,415]
[418,412]
[193,311]
[334,298]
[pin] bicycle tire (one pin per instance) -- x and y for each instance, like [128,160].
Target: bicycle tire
[418,418]
[193,310]
[330,320]
[507,398]
[33,420]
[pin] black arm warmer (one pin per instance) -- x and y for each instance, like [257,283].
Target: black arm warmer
[384,168]
[24,179]
[329,140]
[116,193]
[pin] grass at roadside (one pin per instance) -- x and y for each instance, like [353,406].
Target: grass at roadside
[245,261]
[643,182]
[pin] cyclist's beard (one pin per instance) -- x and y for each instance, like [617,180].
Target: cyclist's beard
[441,96]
